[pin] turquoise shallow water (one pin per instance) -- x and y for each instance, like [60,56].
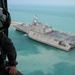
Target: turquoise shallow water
[35,58]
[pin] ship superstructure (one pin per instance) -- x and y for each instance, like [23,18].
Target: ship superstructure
[46,34]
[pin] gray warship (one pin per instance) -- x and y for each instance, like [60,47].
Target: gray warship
[47,35]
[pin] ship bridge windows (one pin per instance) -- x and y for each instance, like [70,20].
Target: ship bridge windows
[55,40]
[62,43]
[70,44]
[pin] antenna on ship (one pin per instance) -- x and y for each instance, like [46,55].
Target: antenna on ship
[46,23]
[35,20]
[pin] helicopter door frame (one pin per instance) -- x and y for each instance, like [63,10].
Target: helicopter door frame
[3,3]
[6,30]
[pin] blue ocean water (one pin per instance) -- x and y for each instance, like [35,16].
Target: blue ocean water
[35,58]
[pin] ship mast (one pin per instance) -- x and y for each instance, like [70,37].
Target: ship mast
[35,20]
